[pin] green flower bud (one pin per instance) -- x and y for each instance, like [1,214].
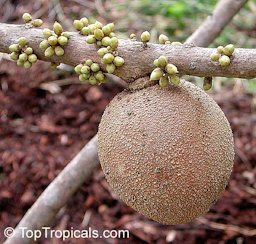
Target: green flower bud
[156,63]
[145,36]
[27,65]
[163,38]
[20,62]
[14,48]
[47,33]
[220,49]
[98,24]
[29,50]
[14,56]
[78,68]
[89,62]
[84,77]
[162,61]
[100,76]
[78,25]
[106,30]
[26,17]
[32,58]
[23,57]
[53,40]
[95,67]
[49,52]
[207,83]
[59,51]
[156,74]
[44,44]
[66,34]
[102,51]
[114,43]
[175,80]
[85,31]
[215,56]
[108,58]
[91,39]
[163,82]
[92,80]
[132,36]
[171,69]
[22,41]
[112,34]
[118,61]
[92,28]
[98,34]
[62,40]
[85,21]
[37,22]
[106,41]
[85,69]
[111,26]
[57,28]
[98,43]
[224,61]
[229,49]
[110,68]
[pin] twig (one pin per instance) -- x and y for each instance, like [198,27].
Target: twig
[223,13]
[58,192]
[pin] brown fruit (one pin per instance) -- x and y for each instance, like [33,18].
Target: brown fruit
[168,153]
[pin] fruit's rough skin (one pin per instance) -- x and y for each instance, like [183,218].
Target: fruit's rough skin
[168,153]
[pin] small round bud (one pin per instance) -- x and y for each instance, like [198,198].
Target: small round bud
[14,48]
[215,56]
[98,24]
[98,43]
[106,30]
[57,28]
[102,51]
[44,44]
[92,80]
[89,62]
[22,41]
[85,21]
[171,69]
[156,74]
[37,22]
[85,31]
[49,52]
[175,80]
[207,83]
[95,67]
[114,43]
[62,40]
[91,39]
[27,65]
[52,40]
[59,51]
[163,38]
[92,28]
[106,41]
[66,34]
[118,61]
[229,49]
[20,62]
[110,68]
[23,57]
[26,17]
[112,34]
[78,25]
[224,61]
[32,58]
[100,76]
[98,34]
[220,49]
[145,36]
[29,50]
[78,68]
[47,33]
[14,56]
[162,61]
[163,82]
[85,69]
[108,58]
[132,36]
[83,77]
[156,63]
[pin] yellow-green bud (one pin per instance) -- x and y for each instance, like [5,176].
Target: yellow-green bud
[156,74]
[29,50]
[89,62]
[14,48]
[171,69]
[37,22]
[163,38]
[62,40]
[95,67]
[207,83]
[83,77]
[20,62]
[57,28]
[59,51]
[100,76]
[23,57]
[175,80]
[98,24]
[92,28]
[110,68]
[32,58]
[112,34]
[162,61]
[85,31]
[102,51]
[49,52]
[44,44]
[85,69]
[14,56]
[106,41]
[114,43]
[163,82]
[111,26]
[91,39]
[47,33]
[118,61]
[145,36]
[22,41]
[92,80]
[106,30]
[215,56]
[85,21]
[98,34]
[78,68]
[66,34]
[78,25]
[156,63]
[26,17]
[220,49]
[27,65]
[224,61]
[99,43]
[108,58]
[53,40]
[229,49]
[132,36]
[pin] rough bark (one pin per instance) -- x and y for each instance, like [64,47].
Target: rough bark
[214,24]
[190,60]
[42,213]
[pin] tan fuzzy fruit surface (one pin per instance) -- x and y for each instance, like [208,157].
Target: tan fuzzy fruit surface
[168,153]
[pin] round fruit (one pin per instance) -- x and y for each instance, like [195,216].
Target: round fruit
[168,153]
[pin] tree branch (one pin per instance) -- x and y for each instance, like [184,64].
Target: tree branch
[58,192]
[223,13]
[190,60]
